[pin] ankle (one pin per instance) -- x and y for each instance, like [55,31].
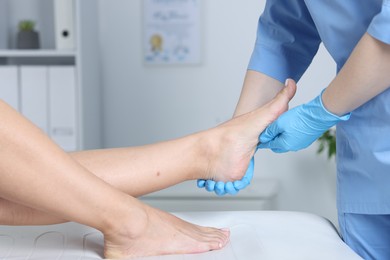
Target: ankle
[129,220]
[207,146]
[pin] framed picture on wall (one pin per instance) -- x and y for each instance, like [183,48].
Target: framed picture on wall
[172,31]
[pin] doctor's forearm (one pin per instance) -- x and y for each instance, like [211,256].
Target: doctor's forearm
[257,90]
[365,75]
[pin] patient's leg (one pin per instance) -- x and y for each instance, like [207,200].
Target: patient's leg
[224,150]
[222,153]
[36,173]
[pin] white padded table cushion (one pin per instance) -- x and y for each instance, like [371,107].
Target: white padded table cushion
[265,235]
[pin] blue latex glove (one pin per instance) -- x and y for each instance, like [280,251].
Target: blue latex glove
[221,188]
[299,127]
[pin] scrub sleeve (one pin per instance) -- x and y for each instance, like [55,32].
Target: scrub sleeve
[287,40]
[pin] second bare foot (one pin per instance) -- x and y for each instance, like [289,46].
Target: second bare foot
[154,232]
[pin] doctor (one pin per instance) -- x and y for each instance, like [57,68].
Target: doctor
[357,35]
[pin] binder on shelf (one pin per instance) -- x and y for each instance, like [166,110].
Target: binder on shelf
[62,104]
[9,85]
[34,95]
[3,25]
[64,24]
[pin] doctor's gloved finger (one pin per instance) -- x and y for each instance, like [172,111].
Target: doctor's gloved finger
[264,145]
[279,150]
[220,188]
[251,168]
[241,184]
[210,184]
[275,145]
[245,181]
[270,132]
[229,188]
[201,183]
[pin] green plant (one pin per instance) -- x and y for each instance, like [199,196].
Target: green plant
[328,141]
[26,25]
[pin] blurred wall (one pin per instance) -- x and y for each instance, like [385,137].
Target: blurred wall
[144,104]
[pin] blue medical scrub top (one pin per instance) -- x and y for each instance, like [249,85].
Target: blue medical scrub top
[289,34]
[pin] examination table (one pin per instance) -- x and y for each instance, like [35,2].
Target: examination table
[257,235]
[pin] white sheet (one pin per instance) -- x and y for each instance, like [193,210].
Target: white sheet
[265,235]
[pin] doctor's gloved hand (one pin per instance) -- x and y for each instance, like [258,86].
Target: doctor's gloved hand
[299,127]
[221,188]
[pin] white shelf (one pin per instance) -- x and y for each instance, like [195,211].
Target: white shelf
[36,53]
[84,57]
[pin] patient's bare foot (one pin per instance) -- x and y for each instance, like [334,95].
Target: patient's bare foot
[235,141]
[154,232]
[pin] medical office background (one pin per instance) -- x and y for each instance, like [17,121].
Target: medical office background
[120,100]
